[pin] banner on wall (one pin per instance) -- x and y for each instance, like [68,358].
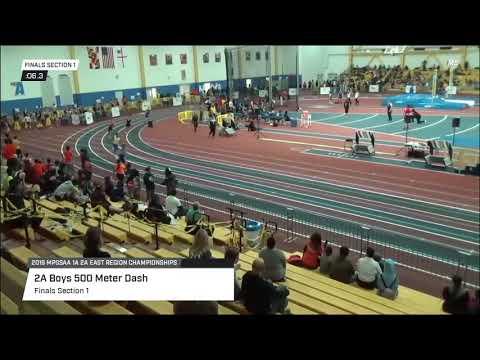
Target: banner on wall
[451,90]
[146,105]
[88,118]
[373,88]
[324,90]
[115,111]
[75,119]
[292,91]
[262,93]
[177,101]
[410,87]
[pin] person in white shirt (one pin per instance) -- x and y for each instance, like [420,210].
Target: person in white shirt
[368,270]
[174,206]
[357,94]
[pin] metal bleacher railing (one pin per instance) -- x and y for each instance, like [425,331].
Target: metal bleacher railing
[296,225]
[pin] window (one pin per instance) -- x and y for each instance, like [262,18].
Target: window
[183,58]
[168,59]
[184,75]
[218,57]
[257,56]
[206,58]
[266,55]
[247,55]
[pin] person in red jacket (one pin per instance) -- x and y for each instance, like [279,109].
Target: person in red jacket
[68,169]
[120,170]
[37,172]
[9,152]
[311,253]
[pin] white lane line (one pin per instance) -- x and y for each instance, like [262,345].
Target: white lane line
[359,120]
[461,132]
[422,127]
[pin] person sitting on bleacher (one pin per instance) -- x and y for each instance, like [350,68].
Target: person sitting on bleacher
[311,253]
[326,261]
[193,214]
[368,270]
[259,295]
[274,260]
[456,297]
[98,197]
[387,282]
[232,256]
[156,212]
[118,193]
[93,243]
[66,191]
[342,268]
[200,248]
[173,205]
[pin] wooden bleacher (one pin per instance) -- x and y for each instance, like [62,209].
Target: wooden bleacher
[409,301]
[12,285]
[310,291]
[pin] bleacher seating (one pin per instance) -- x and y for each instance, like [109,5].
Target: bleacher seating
[310,292]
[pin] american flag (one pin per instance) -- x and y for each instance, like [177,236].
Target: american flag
[107,58]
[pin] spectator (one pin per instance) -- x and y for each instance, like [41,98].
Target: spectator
[232,256]
[193,215]
[93,243]
[326,261]
[98,197]
[68,161]
[342,269]
[274,260]
[149,182]
[387,282]
[200,248]
[475,303]
[17,144]
[108,186]
[312,251]
[379,260]
[259,295]
[16,189]
[156,212]
[118,193]
[170,180]
[38,171]
[66,191]
[133,184]
[456,297]
[173,205]
[120,170]
[368,270]
[10,153]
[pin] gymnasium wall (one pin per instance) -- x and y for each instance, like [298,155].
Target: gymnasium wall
[11,58]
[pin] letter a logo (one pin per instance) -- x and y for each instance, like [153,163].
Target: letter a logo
[19,89]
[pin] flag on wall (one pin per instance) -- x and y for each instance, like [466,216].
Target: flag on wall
[93,55]
[107,58]
[153,60]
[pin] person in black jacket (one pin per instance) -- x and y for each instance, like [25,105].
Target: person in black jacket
[93,243]
[195,122]
[389,111]
[346,106]
[170,180]
[456,297]
[259,295]
[149,182]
